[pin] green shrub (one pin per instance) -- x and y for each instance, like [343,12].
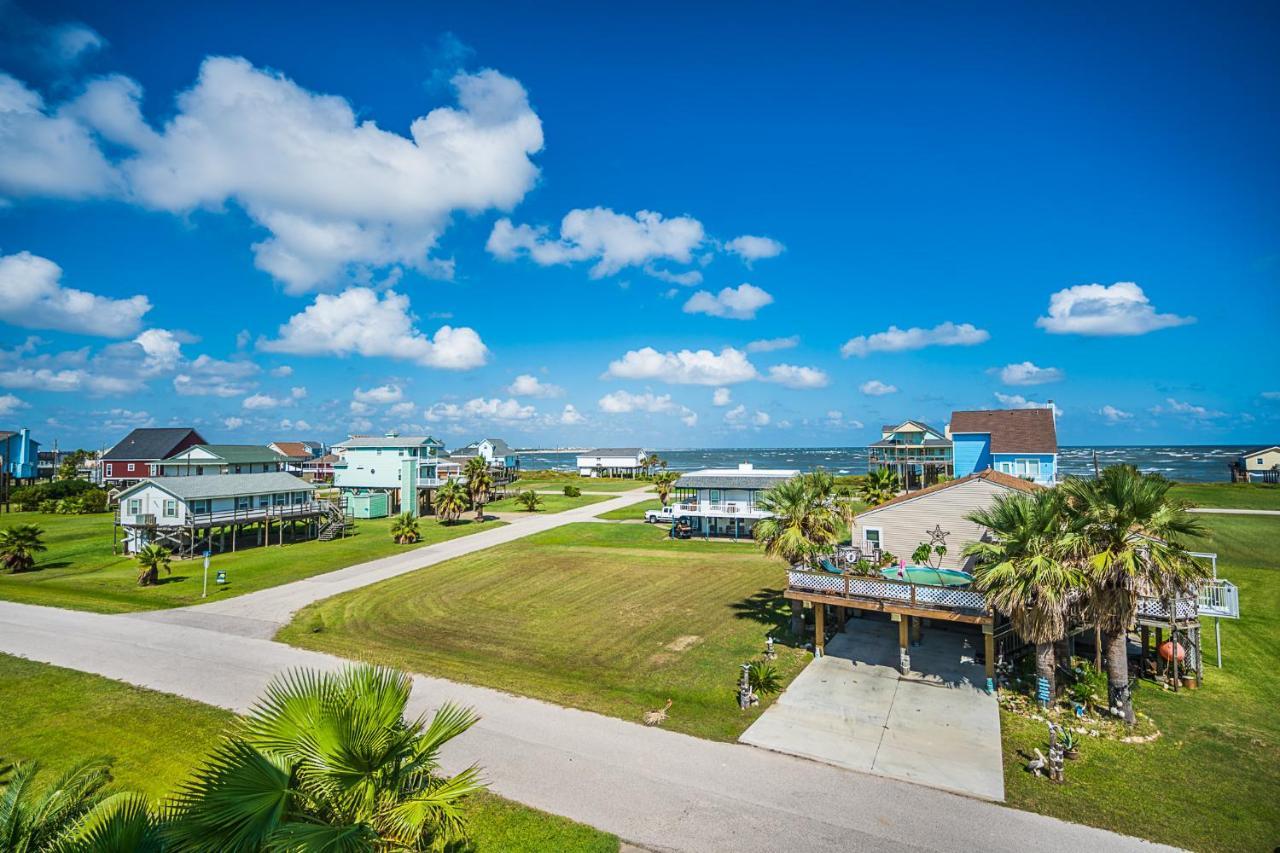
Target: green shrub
[572,492]
[40,495]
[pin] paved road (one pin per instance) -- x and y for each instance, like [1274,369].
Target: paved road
[261,614]
[1225,511]
[658,789]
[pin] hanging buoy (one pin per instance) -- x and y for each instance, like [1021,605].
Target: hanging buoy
[1168,649]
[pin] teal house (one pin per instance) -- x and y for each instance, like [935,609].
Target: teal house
[19,454]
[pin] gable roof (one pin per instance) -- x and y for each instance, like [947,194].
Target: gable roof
[233,454]
[1011,430]
[730,478]
[998,478]
[921,424]
[356,441]
[292,449]
[1261,450]
[151,443]
[225,485]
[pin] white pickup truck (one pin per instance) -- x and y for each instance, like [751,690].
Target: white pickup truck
[666,515]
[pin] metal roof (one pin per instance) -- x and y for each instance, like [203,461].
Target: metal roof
[225,485]
[152,443]
[729,478]
[231,454]
[388,441]
[614,451]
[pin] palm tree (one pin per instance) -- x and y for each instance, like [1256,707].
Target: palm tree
[664,482]
[801,525]
[151,559]
[880,485]
[451,501]
[1130,542]
[404,529]
[1023,571]
[530,499]
[652,461]
[72,813]
[19,545]
[822,484]
[479,483]
[847,506]
[327,761]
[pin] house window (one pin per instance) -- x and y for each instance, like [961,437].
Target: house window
[199,506]
[135,506]
[1259,460]
[170,509]
[237,469]
[871,536]
[242,503]
[108,469]
[199,469]
[715,496]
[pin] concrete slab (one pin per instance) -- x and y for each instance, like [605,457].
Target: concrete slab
[852,708]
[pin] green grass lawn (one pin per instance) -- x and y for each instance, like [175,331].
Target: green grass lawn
[1230,495]
[635,511]
[59,716]
[550,503]
[613,618]
[80,572]
[558,480]
[1212,782]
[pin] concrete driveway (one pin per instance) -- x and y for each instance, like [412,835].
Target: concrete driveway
[851,708]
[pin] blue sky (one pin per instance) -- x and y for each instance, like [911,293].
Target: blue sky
[729,225]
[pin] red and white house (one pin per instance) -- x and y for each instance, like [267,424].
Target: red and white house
[132,458]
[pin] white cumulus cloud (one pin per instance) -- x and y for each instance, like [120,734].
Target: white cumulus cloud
[336,193]
[686,367]
[1027,373]
[379,396]
[1112,415]
[623,402]
[773,344]
[1017,401]
[721,397]
[893,339]
[614,241]
[751,248]
[1095,309]
[794,376]
[9,404]
[736,303]
[32,296]
[876,388]
[1191,410]
[360,322]
[528,385]
[571,416]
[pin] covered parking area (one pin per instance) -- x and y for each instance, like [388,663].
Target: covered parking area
[852,707]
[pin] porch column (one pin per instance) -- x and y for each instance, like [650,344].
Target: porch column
[819,629]
[989,648]
[917,630]
[797,619]
[904,658]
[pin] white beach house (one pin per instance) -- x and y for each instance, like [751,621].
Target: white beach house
[722,501]
[187,514]
[612,462]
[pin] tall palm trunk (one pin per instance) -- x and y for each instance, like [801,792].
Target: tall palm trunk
[1062,653]
[1044,666]
[1119,698]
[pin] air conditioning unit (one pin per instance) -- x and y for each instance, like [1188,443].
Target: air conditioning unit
[149,519]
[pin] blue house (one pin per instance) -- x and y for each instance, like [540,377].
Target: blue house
[19,454]
[1020,442]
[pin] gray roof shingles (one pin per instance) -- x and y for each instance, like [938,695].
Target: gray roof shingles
[226,485]
[150,443]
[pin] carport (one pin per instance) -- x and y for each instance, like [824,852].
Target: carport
[852,708]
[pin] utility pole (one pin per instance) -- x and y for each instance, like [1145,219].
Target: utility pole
[1096,473]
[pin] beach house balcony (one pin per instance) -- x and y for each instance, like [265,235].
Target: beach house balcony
[735,509]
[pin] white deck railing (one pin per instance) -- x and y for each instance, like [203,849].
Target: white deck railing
[883,589]
[733,508]
[228,516]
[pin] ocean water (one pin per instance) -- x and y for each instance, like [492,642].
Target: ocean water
[1189,463]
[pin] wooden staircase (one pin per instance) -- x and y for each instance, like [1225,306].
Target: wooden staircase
[338,521]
